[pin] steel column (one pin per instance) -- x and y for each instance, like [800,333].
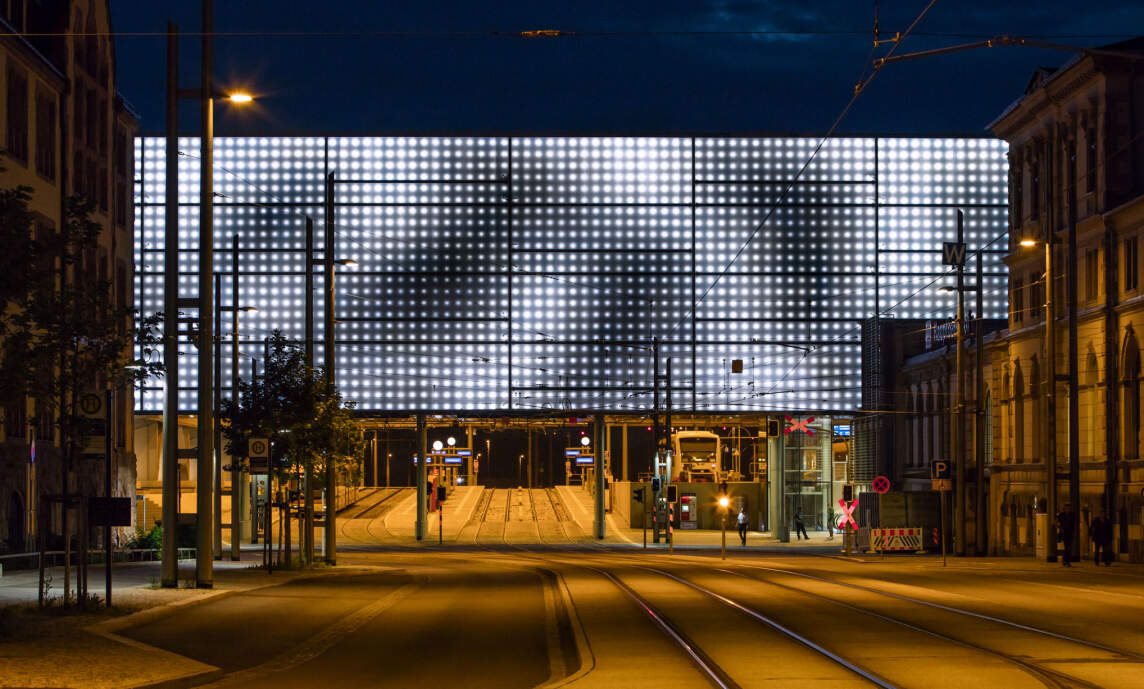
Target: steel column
[601,485]
[237,482]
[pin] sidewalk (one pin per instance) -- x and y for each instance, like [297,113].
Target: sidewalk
[44,649]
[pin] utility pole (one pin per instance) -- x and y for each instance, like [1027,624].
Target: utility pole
[601,485]
[237,485]
[216,427]
[204,557]
[422,475]
[959,400]
[1074,387]
[1050,459]
[330,360]
[170,557]
[982,534]
[308,500]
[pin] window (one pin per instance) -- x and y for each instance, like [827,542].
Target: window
[102,120]
[1091,273]
[102,187]
[1090,160]
[1131,268]
[1018,300]
[1035,192]
[46,135]
[17,115]
[44,421]
[15,418]
[77,173]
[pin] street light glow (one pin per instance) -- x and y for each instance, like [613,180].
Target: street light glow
[1028,241]
[723,501]
[240,97]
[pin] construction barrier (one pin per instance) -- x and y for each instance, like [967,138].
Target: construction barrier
[892,540]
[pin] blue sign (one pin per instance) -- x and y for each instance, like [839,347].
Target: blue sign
[571,453]
[942,469]
[842,430]
[585,459]
[453,459]
[465,453]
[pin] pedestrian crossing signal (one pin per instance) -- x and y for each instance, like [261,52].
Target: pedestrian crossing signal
[672,494]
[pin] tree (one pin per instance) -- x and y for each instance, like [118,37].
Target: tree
[310,427]
[65,335]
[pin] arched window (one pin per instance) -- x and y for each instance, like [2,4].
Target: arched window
[1018,414]
[1006,439]
[1090,403]
[987,428]
[1130,398]
[1036,412]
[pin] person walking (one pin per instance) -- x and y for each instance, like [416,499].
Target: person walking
[800,527]
[1066,528]
[1100,531]
[743,526]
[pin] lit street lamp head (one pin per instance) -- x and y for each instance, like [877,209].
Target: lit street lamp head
[1028,241]
[723,502]
[240,98]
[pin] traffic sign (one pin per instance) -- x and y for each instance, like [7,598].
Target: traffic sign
[942,484]
[881,485]
[799,425]
[953,253]
[90,404]
[941,468]
[847,514]
[258,450]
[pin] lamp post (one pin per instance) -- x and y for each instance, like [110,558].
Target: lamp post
[205,93]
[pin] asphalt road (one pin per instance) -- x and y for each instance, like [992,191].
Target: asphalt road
[511,616]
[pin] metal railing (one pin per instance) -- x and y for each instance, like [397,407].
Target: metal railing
[55,558]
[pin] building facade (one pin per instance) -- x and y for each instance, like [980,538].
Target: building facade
[1076,160]
[66,133]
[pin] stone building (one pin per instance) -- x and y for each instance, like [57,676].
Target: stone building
[1076,156]
[66,131]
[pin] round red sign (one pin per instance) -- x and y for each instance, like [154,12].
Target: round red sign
[881,485]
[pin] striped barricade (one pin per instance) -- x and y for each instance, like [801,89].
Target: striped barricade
[892,540]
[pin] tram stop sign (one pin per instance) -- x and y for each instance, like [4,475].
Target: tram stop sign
[881,485]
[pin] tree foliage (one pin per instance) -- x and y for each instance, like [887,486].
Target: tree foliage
[302,414]
[65,334]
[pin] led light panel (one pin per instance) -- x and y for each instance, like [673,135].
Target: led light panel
[535,272]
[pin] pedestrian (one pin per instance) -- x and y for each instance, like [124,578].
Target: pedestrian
[1100,531]
[800,527]
[743,526]
[1066,529]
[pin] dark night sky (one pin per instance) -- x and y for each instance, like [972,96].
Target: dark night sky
[649,83]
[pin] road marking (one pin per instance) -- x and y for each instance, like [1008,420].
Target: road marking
[320,642]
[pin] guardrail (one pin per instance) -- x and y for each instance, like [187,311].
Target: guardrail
[55,558]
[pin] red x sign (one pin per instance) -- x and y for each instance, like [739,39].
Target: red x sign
[847,514]
[799,425]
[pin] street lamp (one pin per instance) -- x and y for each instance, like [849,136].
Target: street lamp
[723,503]
[205,94]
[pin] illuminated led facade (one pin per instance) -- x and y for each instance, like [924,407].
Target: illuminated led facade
[523,273]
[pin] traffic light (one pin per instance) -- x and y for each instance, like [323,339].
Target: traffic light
[638,495]
[848,492]
[672,493]
[655,485]
[441,494]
